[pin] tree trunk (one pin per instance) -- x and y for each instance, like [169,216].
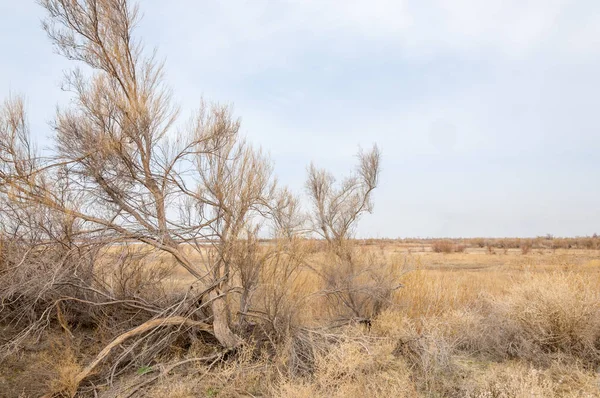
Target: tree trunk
[221,328]
[244,304]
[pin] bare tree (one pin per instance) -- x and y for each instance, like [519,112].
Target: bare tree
[336,209]
[124,171]
[131,176]
[271,269]
[353,283]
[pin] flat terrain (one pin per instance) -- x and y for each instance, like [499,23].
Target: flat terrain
[482,322]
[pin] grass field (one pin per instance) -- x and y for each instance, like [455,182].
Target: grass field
[476,323]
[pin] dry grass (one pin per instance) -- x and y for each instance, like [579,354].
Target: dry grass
[464,325]
[547,316]
[353,369]
[516,379]
[64,365]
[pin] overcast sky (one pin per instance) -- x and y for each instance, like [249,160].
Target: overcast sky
[487,111]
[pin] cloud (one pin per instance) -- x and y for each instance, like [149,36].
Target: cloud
[485,110]
[511,28]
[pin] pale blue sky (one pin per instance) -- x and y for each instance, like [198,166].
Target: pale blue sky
[486,110]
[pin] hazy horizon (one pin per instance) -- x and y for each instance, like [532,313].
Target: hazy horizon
[485,113]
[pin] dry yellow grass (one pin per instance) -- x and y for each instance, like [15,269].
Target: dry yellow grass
[465,324]
[469,324]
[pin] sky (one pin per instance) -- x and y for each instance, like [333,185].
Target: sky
[486,112]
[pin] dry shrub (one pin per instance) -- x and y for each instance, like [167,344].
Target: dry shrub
[526,246]
[345,364]
[508,243]
[297,357]
[35,284]
[133,270]
[478,242]
[460,248]
[590,243]
[442,246]
[247,257]
[71,289]
[424,345]
[244,374]
[447,246]
[546,317]
[449,355]
[352,369]
[279,302]
[358,286]
[46,282]
[560,243]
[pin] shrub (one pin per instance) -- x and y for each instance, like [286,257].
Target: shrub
[479,242]
[460,248]
[559,243]
[442,246]
[359,286]
[589,243]
[353,368]
[546,316]
[526,246]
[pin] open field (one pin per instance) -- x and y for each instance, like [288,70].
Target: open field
[475,323]
[151,250]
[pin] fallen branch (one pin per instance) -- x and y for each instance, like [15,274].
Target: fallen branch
[215,358]
[144,327]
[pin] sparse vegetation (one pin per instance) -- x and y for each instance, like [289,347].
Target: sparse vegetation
[442,246]
[136,261]
[463,324]
[526,246]
[447,246]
